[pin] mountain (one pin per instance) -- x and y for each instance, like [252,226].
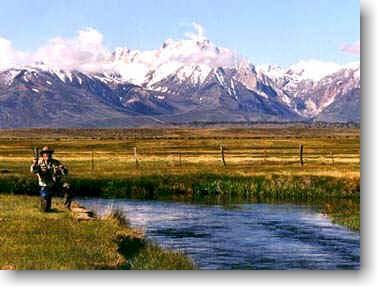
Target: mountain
[345,108]
[183,81]
[311,88]
[31,97]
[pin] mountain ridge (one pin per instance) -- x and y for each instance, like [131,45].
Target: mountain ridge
[183,81]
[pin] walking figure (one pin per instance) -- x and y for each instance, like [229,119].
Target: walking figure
[50,172]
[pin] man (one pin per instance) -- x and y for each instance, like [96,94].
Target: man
[50,172]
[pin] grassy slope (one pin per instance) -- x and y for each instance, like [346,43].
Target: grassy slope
[30,239]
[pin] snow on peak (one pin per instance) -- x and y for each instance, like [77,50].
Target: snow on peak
[273,71]
[197,52]
[120,53]
[356,68]
[313,69]
[188,57]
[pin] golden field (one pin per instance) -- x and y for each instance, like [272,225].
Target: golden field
[248,151]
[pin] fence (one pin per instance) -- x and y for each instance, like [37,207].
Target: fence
[97,159]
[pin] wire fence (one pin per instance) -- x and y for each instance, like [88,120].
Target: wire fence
[97,159]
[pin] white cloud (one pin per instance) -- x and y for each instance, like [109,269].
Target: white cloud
[351,48]
[85,51]
[9,56]
[199,33]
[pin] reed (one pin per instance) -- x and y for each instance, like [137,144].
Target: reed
[328,194]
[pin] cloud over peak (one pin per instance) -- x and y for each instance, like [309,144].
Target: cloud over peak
[86,51]
[83,52]
[9,56]
[351,48]
[198,34]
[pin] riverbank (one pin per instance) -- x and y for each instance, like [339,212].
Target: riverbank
[337,197]
[32,240]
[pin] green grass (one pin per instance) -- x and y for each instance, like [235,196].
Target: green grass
[32,240]
[337,197]
[154,258]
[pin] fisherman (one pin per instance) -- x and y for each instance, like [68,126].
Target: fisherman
[50,172]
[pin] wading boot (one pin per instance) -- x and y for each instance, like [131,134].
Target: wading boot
[67,195]
[45,204]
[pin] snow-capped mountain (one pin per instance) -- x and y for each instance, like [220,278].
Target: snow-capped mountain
[310,87]
[183,58]
[33,97]
[183,67]
[304,70]
[183,81]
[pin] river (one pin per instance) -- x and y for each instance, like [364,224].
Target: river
[247,236]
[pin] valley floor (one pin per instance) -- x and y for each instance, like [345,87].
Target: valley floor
[108,153]
[182,164]
[261,164]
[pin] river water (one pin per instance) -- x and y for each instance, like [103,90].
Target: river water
[248,236]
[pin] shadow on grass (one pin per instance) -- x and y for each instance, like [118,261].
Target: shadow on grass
[54,210]
[130,247]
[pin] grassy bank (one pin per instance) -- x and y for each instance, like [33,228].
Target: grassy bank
[33,240]
[337,197]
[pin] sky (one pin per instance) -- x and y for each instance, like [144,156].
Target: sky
[279,32]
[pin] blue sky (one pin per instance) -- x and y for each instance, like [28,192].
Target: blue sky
[272,31]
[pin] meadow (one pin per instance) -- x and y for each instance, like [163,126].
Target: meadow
[260,164]
[104,153]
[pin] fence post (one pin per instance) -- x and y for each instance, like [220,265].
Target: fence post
[92,160]
[222,155]
[135,155]
[180,159]
[301,151]
[332,158]
[265,155]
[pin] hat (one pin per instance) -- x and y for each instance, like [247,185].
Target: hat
[46,149]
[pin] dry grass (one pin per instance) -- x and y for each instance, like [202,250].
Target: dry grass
[254,151]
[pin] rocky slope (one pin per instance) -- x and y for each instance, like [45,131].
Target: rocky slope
[311,93]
